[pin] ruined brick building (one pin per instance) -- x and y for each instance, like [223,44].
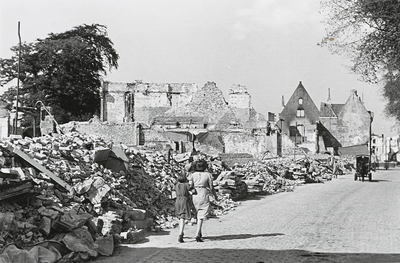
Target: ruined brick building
[328,128]
[299,116]
[173,112]
[349,122]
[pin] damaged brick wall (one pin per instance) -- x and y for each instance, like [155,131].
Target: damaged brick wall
[5,125]
[141,102]
[113,101]
[126,133]
[239,97]
[353,122]
[249,143]
[208,102]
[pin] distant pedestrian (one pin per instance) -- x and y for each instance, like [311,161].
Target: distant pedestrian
[189,165]
[183,202]
[168,155]
[202,181]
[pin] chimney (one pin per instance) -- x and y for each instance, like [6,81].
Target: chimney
[329,95]
[353,92]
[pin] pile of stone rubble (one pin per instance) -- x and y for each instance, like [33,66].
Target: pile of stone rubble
[84,195]
[73,197]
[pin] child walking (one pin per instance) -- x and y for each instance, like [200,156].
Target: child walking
[182,203]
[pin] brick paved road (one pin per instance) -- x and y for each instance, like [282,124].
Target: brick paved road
[340,221]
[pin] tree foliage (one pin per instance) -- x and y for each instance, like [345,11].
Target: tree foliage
[368,32]
[63,71]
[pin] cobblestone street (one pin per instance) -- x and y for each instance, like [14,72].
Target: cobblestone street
[339,221]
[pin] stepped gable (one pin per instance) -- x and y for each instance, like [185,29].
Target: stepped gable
[207,102]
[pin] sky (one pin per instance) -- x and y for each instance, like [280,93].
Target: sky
[268,46]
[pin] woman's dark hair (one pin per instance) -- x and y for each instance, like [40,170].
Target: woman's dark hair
[182,178]
[200,166]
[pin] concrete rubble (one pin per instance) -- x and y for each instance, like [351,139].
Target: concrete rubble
[74,197]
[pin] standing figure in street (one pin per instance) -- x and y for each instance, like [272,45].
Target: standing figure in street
[189,165]
[202,181]
[183,202]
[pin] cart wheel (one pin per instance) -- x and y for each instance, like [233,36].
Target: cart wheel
[370,177]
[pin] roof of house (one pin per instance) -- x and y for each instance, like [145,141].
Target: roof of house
[328,138]
[289,112]
[329,110]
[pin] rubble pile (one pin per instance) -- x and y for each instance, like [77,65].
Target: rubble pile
[231,184]
[284,174]
[267,176]
[74,197]
[53,187]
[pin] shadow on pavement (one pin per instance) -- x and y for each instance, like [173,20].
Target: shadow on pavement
[242,236]
[177,255]
[255,197]
[378,181]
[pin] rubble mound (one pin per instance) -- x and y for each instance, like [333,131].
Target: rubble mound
[78,189]
[73,197]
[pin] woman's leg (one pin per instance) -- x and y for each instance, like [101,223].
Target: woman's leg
[181,225]
[199,225]
[198,231]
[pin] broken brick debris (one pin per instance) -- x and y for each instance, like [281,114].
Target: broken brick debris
[59,191]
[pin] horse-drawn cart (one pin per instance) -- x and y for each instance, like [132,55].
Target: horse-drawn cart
[363,168]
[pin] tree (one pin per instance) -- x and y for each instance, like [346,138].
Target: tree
[368,32]
[63,71]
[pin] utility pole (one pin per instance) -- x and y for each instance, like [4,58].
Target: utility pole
[295,142]
[19,59]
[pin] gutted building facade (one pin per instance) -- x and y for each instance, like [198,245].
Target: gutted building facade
[349,123]
[142,102]
[329,128]
[299,116]
[186,117]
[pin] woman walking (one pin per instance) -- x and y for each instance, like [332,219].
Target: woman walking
[202,181]
[183,202]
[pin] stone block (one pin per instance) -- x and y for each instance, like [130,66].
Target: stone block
[135,214]
[6,220]
[144,224]
[135,236]
[45,226]
[105,245]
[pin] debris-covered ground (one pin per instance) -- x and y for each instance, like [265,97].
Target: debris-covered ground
[73,197]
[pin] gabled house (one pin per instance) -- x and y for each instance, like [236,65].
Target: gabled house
[349,123]
[299,116]
[329,114]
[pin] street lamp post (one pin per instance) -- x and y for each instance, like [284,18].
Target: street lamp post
[371,118]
